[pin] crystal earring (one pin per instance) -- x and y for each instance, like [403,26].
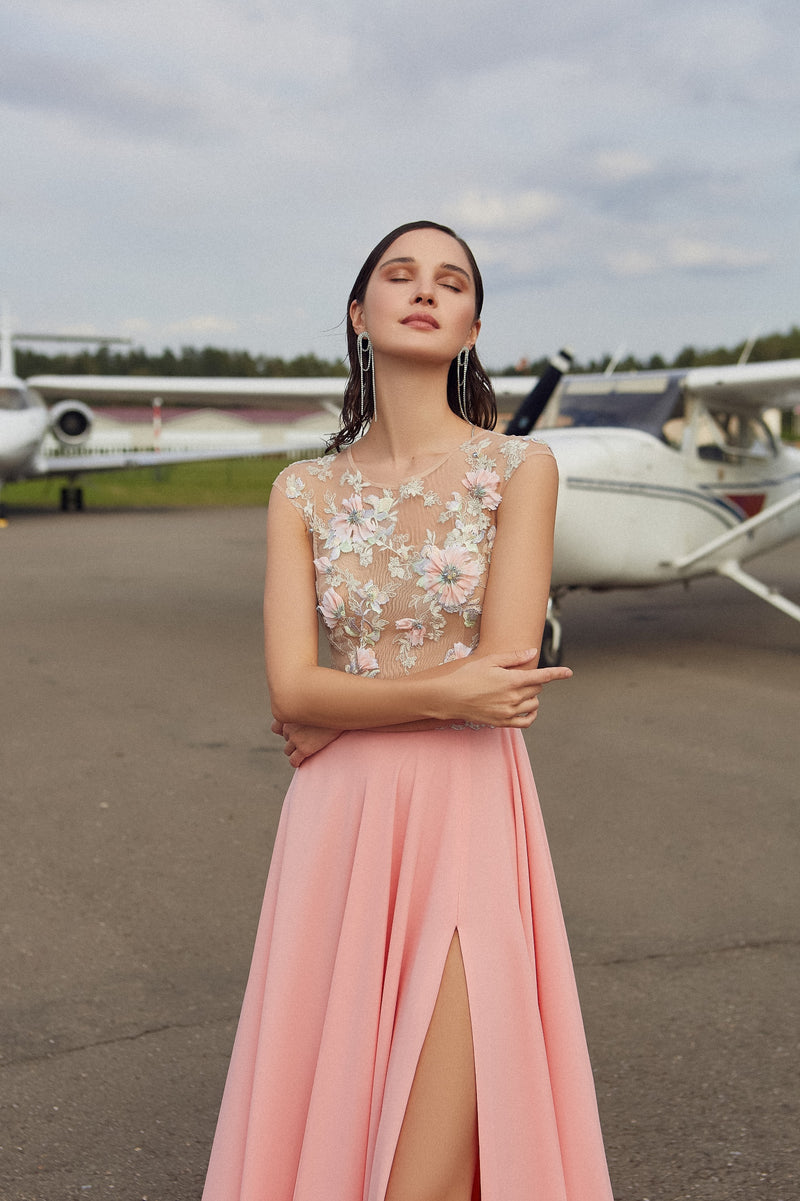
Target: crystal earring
[462,363]
[366,362]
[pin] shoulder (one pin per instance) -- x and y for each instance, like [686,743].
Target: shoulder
[302,474]
[301,481]
[504,454]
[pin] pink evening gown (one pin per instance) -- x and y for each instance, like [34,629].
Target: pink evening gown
[387,845]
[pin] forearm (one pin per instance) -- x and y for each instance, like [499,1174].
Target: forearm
[320,696]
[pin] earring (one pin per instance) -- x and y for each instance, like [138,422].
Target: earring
[462,363]
[366,362]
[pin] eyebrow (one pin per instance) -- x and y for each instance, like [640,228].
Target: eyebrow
[443,266]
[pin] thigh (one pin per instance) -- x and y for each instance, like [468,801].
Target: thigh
[437,1151]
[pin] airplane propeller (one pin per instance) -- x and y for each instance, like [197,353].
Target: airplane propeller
[534,403]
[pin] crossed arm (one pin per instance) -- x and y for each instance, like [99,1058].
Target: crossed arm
[499,684]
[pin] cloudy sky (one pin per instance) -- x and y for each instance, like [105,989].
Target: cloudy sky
[216,171]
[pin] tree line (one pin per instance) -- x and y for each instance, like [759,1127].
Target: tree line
[216,361]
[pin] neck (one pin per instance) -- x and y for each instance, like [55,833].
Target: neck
[414,417]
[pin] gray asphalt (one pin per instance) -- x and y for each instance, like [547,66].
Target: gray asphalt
[140,794]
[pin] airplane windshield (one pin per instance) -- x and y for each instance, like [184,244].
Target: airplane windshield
[643,402]
[12,399]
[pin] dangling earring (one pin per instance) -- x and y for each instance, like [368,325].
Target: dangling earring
[461,369]
[366,362]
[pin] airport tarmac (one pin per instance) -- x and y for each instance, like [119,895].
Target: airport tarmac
[139,795]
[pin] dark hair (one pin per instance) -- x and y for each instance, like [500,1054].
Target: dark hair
[481,406]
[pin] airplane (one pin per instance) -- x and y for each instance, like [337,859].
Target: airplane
[38,441]
[667,476]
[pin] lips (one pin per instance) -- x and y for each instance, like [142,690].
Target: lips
[421,319]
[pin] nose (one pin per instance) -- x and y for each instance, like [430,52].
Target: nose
[424,298]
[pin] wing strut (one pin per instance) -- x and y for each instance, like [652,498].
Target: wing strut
[739,534]
[736,539]
[733,571]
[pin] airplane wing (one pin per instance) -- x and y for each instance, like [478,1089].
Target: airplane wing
[187,391]
[273,393]
[750,387]
[78,460]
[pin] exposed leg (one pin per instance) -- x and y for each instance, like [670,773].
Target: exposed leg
[437,1152]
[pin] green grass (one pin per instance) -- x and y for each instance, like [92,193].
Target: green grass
[217,484]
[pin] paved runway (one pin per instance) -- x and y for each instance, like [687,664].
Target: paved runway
[139,795]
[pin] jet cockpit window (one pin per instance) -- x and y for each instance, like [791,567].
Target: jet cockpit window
[12,399]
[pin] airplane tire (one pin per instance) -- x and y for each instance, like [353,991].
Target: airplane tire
[550,651]
[72,499]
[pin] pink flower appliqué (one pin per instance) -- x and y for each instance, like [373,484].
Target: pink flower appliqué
[363,663]
[324,566]
[354,523]
[415,628]
[332,608]
[449,575]
[459,651]
[482,486]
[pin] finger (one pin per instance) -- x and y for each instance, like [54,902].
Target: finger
[540,676]
[277,727]
[551,674]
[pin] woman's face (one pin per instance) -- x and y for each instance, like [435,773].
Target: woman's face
[420,299]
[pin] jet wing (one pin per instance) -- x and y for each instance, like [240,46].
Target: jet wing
[749,388]
[271,393]
[293,441]
[78,462]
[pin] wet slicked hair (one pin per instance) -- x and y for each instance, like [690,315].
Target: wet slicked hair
[481,406]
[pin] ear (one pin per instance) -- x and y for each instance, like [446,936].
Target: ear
[357,317]
[472,336]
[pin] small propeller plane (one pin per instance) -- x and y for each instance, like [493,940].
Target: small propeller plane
[666,476]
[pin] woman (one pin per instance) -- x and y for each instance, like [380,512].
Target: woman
[410,1030]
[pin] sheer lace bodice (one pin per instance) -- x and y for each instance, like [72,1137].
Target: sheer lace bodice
[401,570]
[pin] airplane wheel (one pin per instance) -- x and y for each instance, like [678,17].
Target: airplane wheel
[72,499]
[550,651]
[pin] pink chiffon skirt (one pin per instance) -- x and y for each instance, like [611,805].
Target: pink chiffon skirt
[387,845]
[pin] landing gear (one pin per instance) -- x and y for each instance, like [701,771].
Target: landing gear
[72,498]
[550,650]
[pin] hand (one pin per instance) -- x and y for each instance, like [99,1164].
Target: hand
[303,741]
[501,689]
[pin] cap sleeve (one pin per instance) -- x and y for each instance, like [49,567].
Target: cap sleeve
[295,483]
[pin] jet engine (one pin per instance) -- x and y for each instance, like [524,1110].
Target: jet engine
[71,422]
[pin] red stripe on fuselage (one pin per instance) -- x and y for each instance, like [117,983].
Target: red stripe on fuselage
[751,503]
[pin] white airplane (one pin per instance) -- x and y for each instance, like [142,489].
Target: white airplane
[39,441]
[667,476]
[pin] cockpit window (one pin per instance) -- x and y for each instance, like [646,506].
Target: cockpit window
[12,399]
[727,437]
[643,402]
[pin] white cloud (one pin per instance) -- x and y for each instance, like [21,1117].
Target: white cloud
[621,166]
[632,262]
[492,212]
[697,254]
